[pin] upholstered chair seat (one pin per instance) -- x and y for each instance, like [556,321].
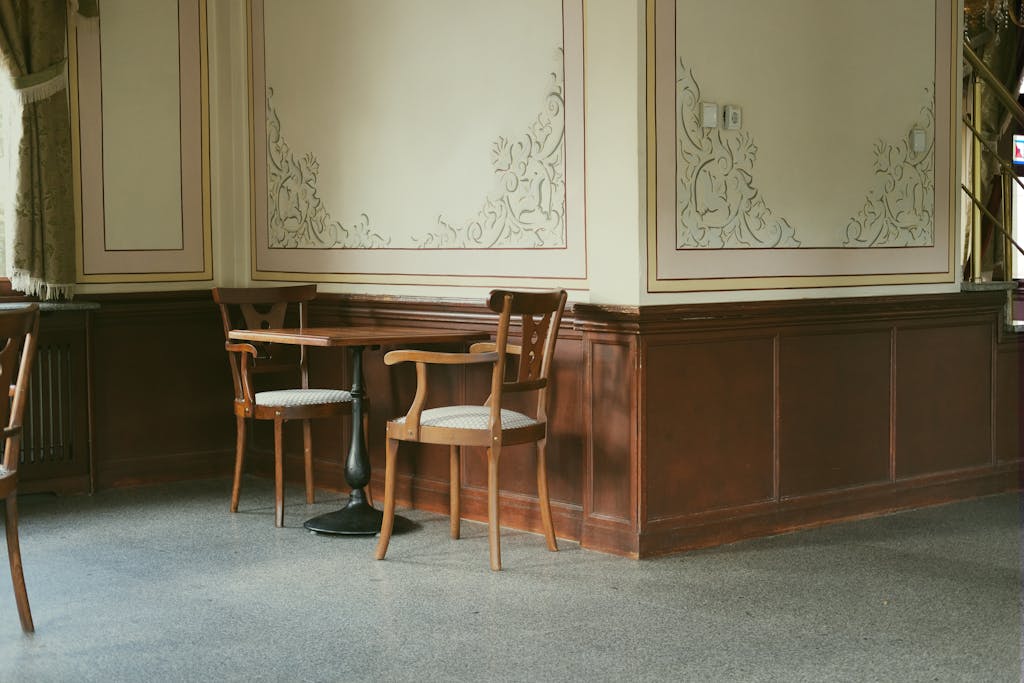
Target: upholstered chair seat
[289,398]
[469,417]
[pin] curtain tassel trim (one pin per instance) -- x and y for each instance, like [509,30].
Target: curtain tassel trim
[42,84]
[22,281]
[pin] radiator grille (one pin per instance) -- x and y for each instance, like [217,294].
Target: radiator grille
[49,435]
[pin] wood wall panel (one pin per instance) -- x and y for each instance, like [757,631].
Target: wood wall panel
[611,430]
[674,427]
[161,390]
[710,421]
[943,402]
[612,472]
[566,442]
[833,410]
[1009,432]
[838,437]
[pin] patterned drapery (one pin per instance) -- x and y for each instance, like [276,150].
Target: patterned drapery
[40,260]
[1001,48]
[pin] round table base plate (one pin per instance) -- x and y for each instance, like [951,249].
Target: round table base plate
[356,519]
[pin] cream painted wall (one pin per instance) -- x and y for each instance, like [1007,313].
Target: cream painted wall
[816,104]
[389,153]
[615,154]
[819,188]
[615,182]
[228,158]
[140,145]
[229,112]
[141,126]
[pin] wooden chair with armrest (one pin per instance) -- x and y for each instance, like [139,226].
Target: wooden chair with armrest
[491,426]
[18,333]
[266,308]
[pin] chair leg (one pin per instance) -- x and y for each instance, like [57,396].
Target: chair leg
[366,443]
[17,575]
[542,494]
[307,454]
[454,495]
[390,475]
[493,511]
[239,460]
[278,475]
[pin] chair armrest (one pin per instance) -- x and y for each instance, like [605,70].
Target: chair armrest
[422,359]
[241,347]
[438,357]
[481,347]
[242,371]
[525,385]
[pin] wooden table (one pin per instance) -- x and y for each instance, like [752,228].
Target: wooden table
[357,517]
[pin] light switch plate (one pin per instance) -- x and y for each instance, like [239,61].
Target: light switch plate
[918,140]
[709,114]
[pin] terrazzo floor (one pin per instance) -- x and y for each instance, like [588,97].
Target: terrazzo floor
[163,584]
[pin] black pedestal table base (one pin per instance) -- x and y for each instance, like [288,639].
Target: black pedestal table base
[357,518]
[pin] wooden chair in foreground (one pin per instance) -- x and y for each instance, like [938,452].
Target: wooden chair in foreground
[265,308]
[491,426]
[18,330]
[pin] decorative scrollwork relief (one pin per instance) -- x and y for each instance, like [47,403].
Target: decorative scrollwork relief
[526,210]
[900,209]
[298,218]
[718,206]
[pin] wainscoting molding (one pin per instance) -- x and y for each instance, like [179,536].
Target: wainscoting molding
[674,427]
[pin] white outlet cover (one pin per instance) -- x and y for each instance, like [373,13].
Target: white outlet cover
[733,119]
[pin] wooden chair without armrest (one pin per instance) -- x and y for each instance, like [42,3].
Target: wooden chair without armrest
[266,308]
[491,426]
[18,332]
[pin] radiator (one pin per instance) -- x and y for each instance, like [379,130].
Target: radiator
[48,435]
[55,435]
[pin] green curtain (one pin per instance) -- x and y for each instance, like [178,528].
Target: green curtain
[41,260]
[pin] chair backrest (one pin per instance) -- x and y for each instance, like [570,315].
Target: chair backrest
[265,308]
[540,316]
[19,330]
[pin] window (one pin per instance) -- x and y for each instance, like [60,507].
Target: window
[10,136]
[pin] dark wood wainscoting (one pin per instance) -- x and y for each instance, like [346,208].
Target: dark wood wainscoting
[674,427]
[161,389]
[760,418]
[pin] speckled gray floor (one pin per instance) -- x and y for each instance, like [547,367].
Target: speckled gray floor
[163,584]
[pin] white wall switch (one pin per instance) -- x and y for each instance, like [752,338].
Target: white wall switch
[918,140]
[733,119]
[709,115]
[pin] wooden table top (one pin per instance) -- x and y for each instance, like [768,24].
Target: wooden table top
[374,335]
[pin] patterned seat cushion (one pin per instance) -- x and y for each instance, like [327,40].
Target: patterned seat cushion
[289,398]
[469,417]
